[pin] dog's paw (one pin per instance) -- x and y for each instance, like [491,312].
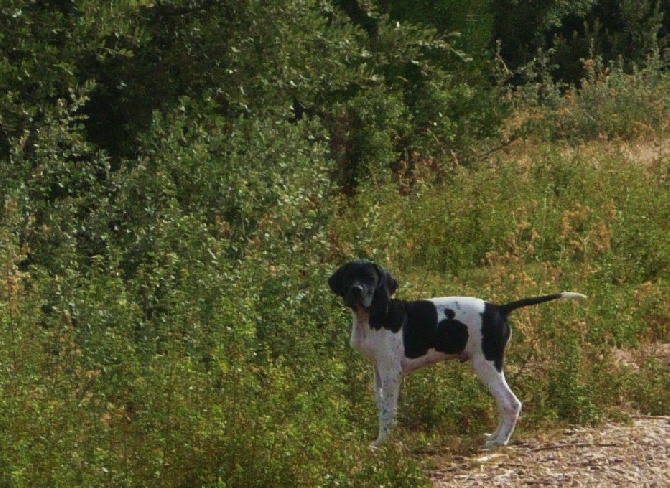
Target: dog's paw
[492,443]
[377,443]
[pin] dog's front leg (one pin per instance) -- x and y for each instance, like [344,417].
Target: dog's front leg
[387,388]
[378,388]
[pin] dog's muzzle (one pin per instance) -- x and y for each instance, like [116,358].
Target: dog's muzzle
[357,297]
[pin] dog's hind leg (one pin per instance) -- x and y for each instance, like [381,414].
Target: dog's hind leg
[508,404]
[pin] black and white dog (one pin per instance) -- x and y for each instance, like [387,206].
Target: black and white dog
[399,337]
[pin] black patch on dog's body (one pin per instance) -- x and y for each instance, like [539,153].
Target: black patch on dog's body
[495,334]
[422,331]
[394,318]
[420,328]
[452,336]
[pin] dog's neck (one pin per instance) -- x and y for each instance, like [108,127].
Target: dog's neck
[360,329]
[361,315]
[391,317]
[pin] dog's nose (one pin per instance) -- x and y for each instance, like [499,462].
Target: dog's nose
[357,290]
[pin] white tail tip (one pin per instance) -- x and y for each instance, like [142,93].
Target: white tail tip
[573,295]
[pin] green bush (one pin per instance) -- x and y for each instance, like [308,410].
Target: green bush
[165,317]
[611,102]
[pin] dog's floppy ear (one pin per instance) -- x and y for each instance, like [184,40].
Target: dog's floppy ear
[386,287]
[336,282]
[387,280]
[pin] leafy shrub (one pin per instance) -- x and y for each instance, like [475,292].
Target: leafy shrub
[609,103]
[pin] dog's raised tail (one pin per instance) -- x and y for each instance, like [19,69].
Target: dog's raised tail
[508,308]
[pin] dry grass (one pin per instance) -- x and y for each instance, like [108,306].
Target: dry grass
[636,454]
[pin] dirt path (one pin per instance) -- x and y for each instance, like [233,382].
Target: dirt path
[635,454]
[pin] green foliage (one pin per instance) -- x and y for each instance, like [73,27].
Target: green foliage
[522,26]
[571,31]
[179,178]
[472,19]
[649,386]
[626,31]
[608,104]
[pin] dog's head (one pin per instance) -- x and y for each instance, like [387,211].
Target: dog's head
[362,283]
